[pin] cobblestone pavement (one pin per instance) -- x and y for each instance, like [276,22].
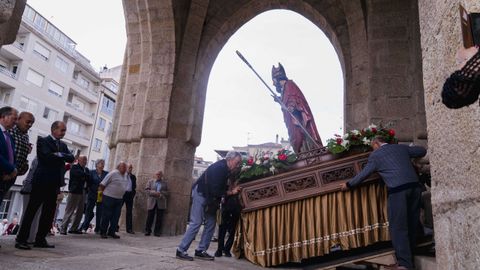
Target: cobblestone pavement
[90,252]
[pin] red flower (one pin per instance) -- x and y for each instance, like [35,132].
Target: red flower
[374,130]
[282,157]
[391,132]
[339,141]
[250,161]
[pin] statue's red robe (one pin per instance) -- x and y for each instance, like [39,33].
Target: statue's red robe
[293,97]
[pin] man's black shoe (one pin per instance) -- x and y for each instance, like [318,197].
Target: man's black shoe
[183,256]
[203,255]
[130,232]
[75,232]
[104,236]
[63,233]
[22,245]
[227,254]
[218,253]
[157,234]
[114,236]
[147,234]
[43,244]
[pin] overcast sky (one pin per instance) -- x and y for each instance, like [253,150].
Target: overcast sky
[239,108]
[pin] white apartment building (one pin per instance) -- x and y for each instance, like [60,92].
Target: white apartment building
[103,124]
[44,74]
[199,166]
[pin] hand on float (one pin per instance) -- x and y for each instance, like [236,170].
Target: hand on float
[343,187]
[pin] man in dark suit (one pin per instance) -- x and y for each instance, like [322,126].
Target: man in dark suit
[393,163]
[128,199]
[52,154]
[8,118]
[79,176]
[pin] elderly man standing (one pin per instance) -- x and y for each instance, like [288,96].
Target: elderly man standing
[157,192]
[19,134]
[8,171]
[96,176]
[52,154]
[128,199]
[393,163]
[113,188]
[206,195]
[79,176]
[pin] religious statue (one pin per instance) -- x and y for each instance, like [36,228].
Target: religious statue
[298,117]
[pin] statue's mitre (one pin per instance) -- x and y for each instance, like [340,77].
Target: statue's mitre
[279,73]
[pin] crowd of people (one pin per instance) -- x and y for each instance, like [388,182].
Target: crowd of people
[91,193]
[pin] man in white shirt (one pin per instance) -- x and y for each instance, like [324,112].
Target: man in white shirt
[113,187]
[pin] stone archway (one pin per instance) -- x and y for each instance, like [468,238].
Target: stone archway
[172,46]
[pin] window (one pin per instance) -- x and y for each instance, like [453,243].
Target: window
[101,124]
[108,105]
[41,51]
[83,82]
[35,78]
[55,89]
[106,153]
[40,22]
[61,64]
[73,126]
[6,98]
[112,86]
[28,105]
[109,129]
[97,145]
[29,13]
[50,114]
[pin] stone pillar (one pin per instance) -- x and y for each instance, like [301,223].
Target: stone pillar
[145,125]
[453,139]
[395,67]
[10,18]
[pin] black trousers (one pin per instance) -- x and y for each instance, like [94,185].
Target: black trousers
[128,201]
[158,221]
[230,219]
[46,196]
[403,218]
[91,203]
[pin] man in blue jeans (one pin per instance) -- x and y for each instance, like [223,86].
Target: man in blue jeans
[206,194]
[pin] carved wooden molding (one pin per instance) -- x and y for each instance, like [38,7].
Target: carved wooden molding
[299,184]
[304,182]
[262,193]
[338,174]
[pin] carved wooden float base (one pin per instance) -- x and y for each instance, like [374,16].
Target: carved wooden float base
[322,174]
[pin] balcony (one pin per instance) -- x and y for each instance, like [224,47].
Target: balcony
[19,46]
[85,92]
[13,52]
[76,108]
[79,138]
[8,79]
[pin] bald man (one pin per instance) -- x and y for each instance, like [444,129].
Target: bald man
[79,177]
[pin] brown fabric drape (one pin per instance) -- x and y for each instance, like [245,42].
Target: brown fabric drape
[310,227]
